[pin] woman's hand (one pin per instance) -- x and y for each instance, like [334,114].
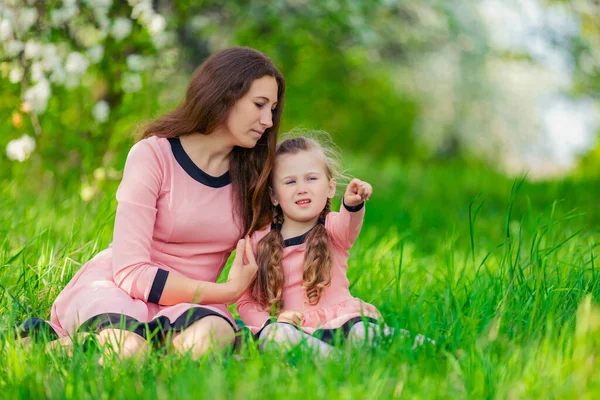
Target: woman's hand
[291,317]
[244,267]
[357,192]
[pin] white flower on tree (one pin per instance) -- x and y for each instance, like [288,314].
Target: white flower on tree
[60,16]
[131,83]
[101,111]
[101,5]
[13,48]
[38,96]
[96,53]
[50,57]
[157,24]
[16,74]
[58,74]
[26,18]
[20,149]
[135,62]
[76,63]
[37,72]
[33,49]
[6,29]
[121,28]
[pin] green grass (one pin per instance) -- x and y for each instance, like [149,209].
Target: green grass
[502,273]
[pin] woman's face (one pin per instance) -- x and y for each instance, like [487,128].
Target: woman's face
[252,114]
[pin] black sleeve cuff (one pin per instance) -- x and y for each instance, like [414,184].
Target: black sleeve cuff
[158,286]
[355,208]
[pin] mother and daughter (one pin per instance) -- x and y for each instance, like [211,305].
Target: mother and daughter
[204,180]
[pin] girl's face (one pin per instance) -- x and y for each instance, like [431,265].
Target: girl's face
[301,185]
[252,114]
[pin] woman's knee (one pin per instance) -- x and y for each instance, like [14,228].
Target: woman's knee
[124,343]
[203,334]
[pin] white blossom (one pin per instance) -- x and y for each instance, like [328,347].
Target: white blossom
[76,63]
[20,149]
[61,15]
[58,74]
[50,57]
[16,74]
[38,96]
[160,40]
[101,111]
[13,48]
[142,10]
[135,62]
[157,24]
[37,72]
[96,53]
[131,83]
[26,18]
[5,29]
[33,49]
[121,28]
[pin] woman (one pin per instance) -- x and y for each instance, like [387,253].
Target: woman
[191,188]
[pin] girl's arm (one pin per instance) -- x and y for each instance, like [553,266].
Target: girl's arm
[252,313]
[344,227]
[133,271]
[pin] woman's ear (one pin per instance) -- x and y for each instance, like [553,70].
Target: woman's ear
[332,185]
[273,197]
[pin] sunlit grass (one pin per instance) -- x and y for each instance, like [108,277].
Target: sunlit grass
[502,273]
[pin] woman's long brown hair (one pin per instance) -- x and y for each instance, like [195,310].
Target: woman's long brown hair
[215,86]
[267,288]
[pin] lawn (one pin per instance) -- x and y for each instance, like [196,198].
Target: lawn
[501,272]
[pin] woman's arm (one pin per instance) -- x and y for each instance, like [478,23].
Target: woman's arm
[179,289]
[133,270]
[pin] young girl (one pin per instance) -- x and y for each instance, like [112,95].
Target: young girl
[302,256]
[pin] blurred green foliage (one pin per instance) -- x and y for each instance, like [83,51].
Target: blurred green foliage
[398,80]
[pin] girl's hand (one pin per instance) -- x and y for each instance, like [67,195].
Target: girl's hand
[291,317]
[244,266]
[357,192]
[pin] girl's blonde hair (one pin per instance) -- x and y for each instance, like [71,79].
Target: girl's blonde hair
[268,285]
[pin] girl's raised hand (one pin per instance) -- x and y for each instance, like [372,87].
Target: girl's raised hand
[357,192]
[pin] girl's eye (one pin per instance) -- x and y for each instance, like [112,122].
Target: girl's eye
[312,178]
[259,105]
[289,182]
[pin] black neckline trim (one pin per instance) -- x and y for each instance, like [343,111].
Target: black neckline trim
[193,170]
[296,240]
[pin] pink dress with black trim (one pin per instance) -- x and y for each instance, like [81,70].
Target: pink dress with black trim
[172,218]
[336,305]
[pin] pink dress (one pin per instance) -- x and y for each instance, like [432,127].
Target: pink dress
[172,218]
[336,305]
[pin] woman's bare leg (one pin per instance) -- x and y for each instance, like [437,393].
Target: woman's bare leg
[204,334]
[124,344]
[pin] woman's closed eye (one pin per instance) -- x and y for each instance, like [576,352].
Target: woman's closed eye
[259,105]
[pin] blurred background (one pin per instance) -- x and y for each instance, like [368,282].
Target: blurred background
[503,86]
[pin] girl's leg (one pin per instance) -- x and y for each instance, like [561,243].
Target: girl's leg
[203,334]
[364,333]
[278,335]
[124,344]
